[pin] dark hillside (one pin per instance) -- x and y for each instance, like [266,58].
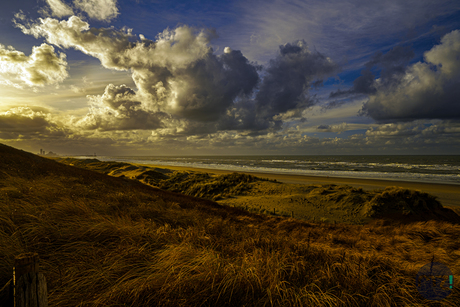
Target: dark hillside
[24,165]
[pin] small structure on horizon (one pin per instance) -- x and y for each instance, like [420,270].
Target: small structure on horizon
[49,154]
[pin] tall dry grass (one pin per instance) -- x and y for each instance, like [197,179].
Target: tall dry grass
[106,241]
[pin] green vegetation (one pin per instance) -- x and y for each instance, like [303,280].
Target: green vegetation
[196,184]
[107,241]
[205,186]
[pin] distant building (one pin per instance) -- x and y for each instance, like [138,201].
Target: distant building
[49,154]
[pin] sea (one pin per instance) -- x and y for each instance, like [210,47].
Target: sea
[412,168]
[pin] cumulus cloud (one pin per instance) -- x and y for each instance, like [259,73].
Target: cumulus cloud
[59,8]
[42,67]
[29,122]
[428,89]
[118,109]
[107,45]
[98,9]
[446,56]
[183,87]
[104,10]
[178,73]
[422,135]
[339,128]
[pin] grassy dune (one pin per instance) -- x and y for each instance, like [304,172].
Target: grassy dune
[106,241]
[331,203]
[196,184]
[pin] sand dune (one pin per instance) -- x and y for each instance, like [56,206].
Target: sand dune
[339,200]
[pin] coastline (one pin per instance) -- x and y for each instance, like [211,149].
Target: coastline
[448,194]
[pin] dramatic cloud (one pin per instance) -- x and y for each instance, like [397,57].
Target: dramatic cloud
[182,86]
[392,65]
[42,67]
[59,8]
[118,109]
[201,90]
[178,73]
[98,9]
[288,79]
[28,122]
[427,89]
[447,55]
[107,45]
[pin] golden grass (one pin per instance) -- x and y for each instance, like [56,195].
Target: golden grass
[107,241]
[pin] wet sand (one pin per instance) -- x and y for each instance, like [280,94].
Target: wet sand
[448,194]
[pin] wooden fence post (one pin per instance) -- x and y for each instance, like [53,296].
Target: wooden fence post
[29,285]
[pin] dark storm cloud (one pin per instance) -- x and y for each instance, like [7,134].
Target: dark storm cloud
[289,77]
[392,65]
[242,115]
[425,90]
[284,91]
[206,88]
[324,127]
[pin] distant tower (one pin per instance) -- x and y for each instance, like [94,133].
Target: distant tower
[41,151]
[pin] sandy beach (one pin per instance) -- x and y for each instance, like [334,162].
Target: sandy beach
[448,194]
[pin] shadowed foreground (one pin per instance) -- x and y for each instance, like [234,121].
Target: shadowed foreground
[106,241]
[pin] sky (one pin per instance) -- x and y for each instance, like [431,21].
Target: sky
[237,77]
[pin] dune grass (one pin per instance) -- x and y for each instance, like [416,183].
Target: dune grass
[107,241]
[197,184]
[205,186]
